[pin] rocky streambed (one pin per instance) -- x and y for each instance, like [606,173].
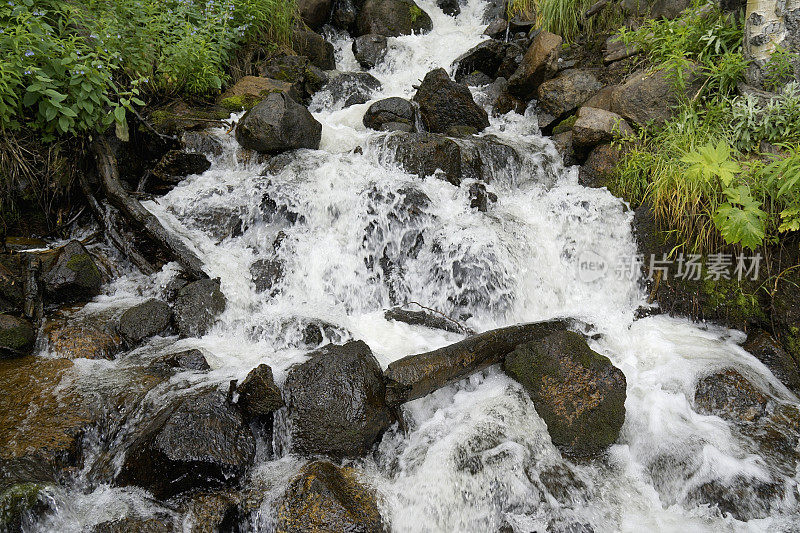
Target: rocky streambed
[362,308]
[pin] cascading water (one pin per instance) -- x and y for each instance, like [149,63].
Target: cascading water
[475,456]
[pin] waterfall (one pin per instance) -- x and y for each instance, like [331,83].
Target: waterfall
[475,456]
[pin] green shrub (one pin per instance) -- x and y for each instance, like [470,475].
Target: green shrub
[777,121]
[72,67]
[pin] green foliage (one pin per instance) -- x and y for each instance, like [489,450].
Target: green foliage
[777,121]
[779,70]
[566,17]
[740,219]
[523,8]
[708,162]
[782,180]
[69,67]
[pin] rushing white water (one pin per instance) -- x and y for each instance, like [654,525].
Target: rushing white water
[476,455]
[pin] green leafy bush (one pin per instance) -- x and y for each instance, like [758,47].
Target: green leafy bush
[73,67]
[777,121]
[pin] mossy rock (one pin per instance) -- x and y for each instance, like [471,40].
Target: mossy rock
[74,276]
[565,125]
[324,497]
[17,336]
[579,393]
[180,117]
[20,502]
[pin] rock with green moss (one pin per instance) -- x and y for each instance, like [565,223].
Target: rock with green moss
[17,337]
[74,276]
[324,497]
[565,125]
[250,90]
[179,117]
[19,504]
[578,393]
[392,18]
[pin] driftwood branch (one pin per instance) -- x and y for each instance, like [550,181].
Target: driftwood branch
[430,318]
[418,375]
[138,216]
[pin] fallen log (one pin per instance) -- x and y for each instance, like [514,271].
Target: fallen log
[108,218]
[427,319]
[417,375]
[138,216]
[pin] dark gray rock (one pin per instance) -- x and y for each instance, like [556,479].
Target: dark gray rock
[197,307]
[731,396]
[17,337]
[449,7]
[446,106]
[335,402]
[186,360]
[74,276]
[344,15]
[143,320]
[392,18]
[668,9]
[743,497]
[314,13]
[479,197]
[370,50]
[578,392]
[486,58]
[497,29]
[597,170]
[258,394]
[266,274]
[177,164]
[425,153]
[390,114]
[277,124]
[353,87]
[197,441]
[595,126]
[768,351]
[324,497]
[312,45]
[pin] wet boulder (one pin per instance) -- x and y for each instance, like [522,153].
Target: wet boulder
[370,50]
[344,15]
[21,504]
[479,197]
[563,144]
[199,440]
[12,295]
[415,376]
[74,276]
[17,337]
[729,395]
[565,93]
[539,64]
[651,96]
[144,320]
[314,13]
[314,46]
[424,154]
[266,274]
[597,170]
[203,142]
[447,107]
[82,337]
[743,497]
[335,402]
[578,392]
[390,114]
[449,7]
[197,306]
[353,88]
[250,90]
[392,18]
[177,164]
[258,394]
[192,359]
[324,497]
[771,353]
[595,126]
[306,79]
[486,58]
[277,124]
